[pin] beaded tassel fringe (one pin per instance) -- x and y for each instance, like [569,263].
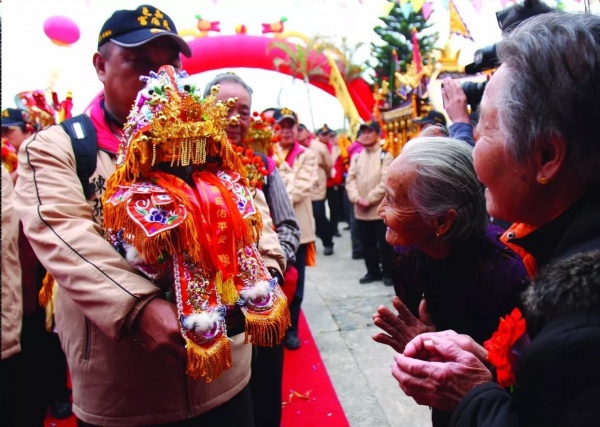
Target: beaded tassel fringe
[268,329]
[208,363]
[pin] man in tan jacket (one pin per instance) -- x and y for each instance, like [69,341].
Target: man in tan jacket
[319,192]
[298,168]
[12,309]
[123,342]
[365,186]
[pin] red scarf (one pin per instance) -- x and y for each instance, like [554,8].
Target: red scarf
[108,137]
[293,153]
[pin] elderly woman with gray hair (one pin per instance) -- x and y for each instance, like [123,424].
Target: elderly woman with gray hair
[538,156]
[450,270]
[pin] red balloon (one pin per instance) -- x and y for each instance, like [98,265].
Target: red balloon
[61,30]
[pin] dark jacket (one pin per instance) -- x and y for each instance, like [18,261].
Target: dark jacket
[558,379]
[467,292]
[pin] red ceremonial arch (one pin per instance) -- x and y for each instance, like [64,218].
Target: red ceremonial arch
[241,50]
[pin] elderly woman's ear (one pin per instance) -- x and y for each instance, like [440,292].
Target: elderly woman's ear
[550,157]
[444,222]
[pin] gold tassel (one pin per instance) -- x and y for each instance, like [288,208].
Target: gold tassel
[226,289]
[208,363]
[268,329]
[45,294]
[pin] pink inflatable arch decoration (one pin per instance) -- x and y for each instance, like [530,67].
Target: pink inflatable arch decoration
[240,50]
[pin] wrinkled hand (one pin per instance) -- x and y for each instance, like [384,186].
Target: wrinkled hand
[158,327]
[438,384]
[403,327]
[421,346]
[455,101]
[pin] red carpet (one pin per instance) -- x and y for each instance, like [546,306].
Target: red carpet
[308,395]
[309,399]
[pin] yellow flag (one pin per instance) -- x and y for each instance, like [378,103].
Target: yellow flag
[341,92]
[457,25]
[417,5]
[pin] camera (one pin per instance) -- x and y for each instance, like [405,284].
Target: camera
[484,59]
[474,93]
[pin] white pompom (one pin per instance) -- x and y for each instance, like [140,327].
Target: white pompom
[201,322]
[260,290]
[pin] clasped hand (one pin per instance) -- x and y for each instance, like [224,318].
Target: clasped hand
[438,369]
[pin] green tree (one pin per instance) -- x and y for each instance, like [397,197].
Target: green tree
[396,33]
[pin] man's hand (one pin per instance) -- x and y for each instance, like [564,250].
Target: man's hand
[455,101]
[440,385]
[403,327]
[158,327]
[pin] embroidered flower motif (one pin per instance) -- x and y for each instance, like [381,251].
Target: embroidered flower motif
[157,215]
[501,347]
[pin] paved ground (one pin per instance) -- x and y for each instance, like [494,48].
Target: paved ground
[338,310]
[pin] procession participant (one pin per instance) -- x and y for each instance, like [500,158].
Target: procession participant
[365,185]
[41,353]
[320,146]
[253,133]
[102,302]
[298,168]
[282,213]
[180,210]
[11,367]
[14,131]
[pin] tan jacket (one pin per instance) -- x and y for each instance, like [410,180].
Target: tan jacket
[12,306]
[299,182]
[324,164]
[115,381]
[366,179]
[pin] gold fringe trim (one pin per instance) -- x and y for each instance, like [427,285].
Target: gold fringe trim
[186,236]
[208,363]
[226,289]
[268,329]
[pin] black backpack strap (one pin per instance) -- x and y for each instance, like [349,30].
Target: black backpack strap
[85,147]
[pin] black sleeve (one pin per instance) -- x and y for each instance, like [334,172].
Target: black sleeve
[486,405]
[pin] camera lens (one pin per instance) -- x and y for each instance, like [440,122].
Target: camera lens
[473,92]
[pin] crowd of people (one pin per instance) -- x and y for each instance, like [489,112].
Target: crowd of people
[173,274]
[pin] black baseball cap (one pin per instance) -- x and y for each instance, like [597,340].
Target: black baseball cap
[131,28]
[302,126]
[324,129]
[12,117]
[284,113]
[432,118]
[371,124]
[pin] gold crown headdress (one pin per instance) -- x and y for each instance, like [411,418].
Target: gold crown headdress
[171,123]
[195,236]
